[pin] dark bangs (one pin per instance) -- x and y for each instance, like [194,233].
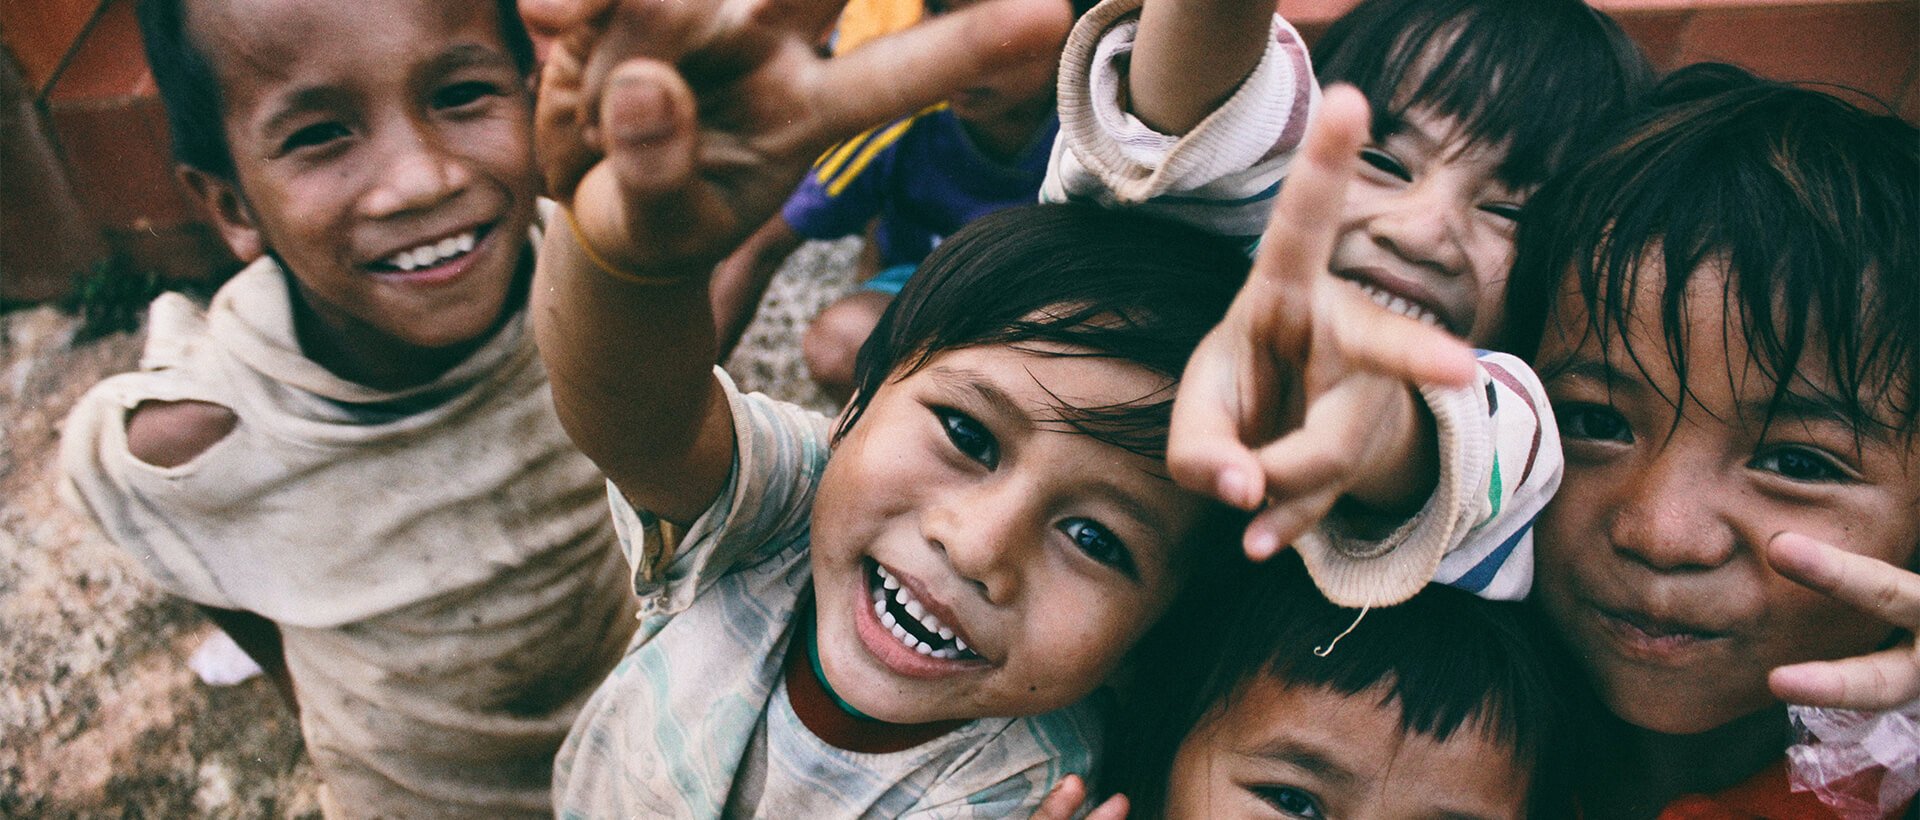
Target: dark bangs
[1111,284]
[1542,77]
[1809,203]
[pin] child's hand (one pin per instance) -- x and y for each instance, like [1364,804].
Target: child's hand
[1882,680]
[1304,393]
[1070,794]
[671,129]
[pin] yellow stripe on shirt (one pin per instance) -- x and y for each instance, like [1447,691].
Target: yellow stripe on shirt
[831,159]
[874,146]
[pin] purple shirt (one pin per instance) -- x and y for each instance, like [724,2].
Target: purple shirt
[922,176]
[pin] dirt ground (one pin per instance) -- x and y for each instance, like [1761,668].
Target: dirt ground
[99,714]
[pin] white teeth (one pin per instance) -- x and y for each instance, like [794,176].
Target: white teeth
[1400,305]
[927,622]
[428,255]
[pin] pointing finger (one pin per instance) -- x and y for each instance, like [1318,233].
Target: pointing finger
[1300,234]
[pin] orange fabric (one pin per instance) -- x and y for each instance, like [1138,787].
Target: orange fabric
[864,20]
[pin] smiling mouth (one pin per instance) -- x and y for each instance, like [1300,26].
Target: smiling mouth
[433,254]
[1651,638]
[910,622]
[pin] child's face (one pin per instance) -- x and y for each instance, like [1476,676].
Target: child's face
[1428,221]
[1307,752]
[968,516]
[382,149]
[1651,558]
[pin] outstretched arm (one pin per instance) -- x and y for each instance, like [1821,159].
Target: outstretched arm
[1190,55]
[658,183]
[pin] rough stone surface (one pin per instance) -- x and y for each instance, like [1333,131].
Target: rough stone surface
[99,714]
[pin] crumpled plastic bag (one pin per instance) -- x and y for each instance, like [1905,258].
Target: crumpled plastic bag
[1865,765]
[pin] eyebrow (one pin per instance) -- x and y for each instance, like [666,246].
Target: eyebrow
[1593,370]
[320,97]
[982,387]
[1799,406]
[1817,407]
[301,101]
[467,54]
[1282,750]
[1292,753]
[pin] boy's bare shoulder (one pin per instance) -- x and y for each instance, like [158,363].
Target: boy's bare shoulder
[172,433]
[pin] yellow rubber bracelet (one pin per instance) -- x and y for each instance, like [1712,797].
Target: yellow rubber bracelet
[608,268]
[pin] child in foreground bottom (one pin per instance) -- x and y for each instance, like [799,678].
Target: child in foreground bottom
[1252,699]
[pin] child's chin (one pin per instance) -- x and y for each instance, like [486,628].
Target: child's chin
[1659,711]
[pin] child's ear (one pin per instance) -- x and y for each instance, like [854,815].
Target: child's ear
[228,208]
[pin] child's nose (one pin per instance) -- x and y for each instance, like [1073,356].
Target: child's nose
[418,174]
[1424,225]
[985,534]
[1666,519]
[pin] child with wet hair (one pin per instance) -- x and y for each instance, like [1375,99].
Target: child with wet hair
[349,458]
[1724,308]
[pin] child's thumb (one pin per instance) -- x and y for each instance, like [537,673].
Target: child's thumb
[647,123]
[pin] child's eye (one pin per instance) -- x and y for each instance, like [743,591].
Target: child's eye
[1505,210]
[1385,163]
[1291,801]
[970,437]
[1799,464]
[1593,422]
[463,94]
[1100,544]
[319,133]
